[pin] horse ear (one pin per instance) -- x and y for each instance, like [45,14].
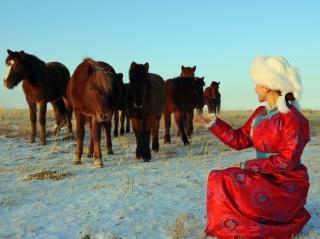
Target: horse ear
[219,83]
[133,65]
[202,79]
[146,66]
[182,67]
[194,68]
[9,52]
[22,54]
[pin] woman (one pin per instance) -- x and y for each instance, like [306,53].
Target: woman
[263,197]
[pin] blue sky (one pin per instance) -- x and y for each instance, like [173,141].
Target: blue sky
[220,37]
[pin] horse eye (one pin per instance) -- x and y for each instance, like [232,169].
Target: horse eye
[11,62]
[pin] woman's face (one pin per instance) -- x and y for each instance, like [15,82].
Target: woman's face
[262,92]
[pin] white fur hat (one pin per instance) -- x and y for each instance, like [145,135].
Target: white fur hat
[277,74]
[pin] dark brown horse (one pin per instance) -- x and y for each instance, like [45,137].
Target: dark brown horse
[190,72]
[146,100]
[212,98]
[41,83]
[183,94]
[89,92]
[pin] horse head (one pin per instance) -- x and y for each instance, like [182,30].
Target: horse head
[214,89]
[99,88]
[17,69]
[187,71]
[139,83]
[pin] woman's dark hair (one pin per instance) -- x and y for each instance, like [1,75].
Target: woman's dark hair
[289,96]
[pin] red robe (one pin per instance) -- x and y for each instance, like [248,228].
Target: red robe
[265,199]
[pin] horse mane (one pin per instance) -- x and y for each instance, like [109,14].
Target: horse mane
[99,79]
[37,66]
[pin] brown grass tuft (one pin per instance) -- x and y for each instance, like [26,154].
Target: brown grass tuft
[47,174]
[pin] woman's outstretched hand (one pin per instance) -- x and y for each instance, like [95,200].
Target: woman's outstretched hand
[205,119]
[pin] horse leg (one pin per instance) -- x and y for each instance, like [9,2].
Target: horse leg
[33,120]
[146,154]
[116,122]
[210,108]
[167,123]
[107,126]
[57,118]
[80,131]
[218,108]
[96,135]
[189,123]
[180,120]
[155,134]
[42,121]
[136,126]
[215,109]
[199,111]
[128,122]
[122,118]
[90,146]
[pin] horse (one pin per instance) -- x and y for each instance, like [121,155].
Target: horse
[183,94]
[89,91]
[146,100]
[114,100]
[42,83]
[212,98]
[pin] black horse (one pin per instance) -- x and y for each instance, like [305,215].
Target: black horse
[42,83]
[146,100]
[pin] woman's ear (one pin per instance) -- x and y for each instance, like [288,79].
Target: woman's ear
[267,89]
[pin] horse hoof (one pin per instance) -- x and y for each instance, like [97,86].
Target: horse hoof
[98,164]
[42,143]
[76,162]
[167,142]
[89,155]
[69,137]
[146,160]
[186,143]
[155,150]
[110,152]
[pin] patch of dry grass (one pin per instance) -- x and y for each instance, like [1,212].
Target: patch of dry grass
[15,123]
[186,226]
[47,174]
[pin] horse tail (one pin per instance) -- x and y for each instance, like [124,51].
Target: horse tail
[99,78]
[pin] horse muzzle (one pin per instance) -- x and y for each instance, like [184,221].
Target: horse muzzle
[7,84]
[135,105]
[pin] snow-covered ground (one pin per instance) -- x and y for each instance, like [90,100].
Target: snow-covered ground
[164,198]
